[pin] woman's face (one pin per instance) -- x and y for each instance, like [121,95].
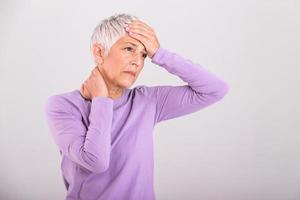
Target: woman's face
[124,62]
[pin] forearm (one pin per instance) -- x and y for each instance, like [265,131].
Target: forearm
[198,78]
[97,145]
[87,146]
[203,88]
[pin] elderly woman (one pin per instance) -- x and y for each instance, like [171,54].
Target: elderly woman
[104,129]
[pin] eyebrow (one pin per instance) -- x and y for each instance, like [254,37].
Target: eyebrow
[136,46]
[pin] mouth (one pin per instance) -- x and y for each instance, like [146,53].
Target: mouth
[130,73]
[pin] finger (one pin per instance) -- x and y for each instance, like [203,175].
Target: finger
[82,91]
[139,26]
[95,70]
[140,37]
[141,32]
[85,84]
[139,22]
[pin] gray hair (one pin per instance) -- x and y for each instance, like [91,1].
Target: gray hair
[109,30]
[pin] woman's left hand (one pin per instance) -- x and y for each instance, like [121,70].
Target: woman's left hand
[145,34]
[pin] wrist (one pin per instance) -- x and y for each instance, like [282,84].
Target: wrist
[99,95]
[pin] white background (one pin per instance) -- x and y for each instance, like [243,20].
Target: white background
[245,147]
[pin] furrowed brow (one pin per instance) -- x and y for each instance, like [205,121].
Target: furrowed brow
[136,46]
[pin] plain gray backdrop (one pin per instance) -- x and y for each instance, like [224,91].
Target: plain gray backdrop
[245,147]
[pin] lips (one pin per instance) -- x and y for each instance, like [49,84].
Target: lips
[130,72]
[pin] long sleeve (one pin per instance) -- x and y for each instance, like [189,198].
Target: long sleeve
[203,88]
[89,146]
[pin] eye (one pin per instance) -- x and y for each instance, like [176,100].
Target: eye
[144,55]
[129,48]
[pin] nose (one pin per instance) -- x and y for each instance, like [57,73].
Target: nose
[137,60]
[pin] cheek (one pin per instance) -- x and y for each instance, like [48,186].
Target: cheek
[114,67]
[121,65]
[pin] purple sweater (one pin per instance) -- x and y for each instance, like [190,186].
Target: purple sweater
[107,145]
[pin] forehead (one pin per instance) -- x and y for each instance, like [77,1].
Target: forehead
[129,40]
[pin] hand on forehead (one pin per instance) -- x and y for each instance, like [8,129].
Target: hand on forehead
[145,34]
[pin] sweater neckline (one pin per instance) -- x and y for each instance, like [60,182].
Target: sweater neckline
[116,101]
[122,98]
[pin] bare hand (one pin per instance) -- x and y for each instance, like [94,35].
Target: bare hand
[145,34]
[94,86]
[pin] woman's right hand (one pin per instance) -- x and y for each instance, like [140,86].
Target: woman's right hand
[94,86]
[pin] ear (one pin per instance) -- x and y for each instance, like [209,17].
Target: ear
[98,53]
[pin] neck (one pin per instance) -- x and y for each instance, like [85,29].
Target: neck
[115,92]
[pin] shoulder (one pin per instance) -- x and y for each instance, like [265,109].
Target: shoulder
[146,91]
[153,91]
[67,101]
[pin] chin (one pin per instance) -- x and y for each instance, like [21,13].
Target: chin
[126,84]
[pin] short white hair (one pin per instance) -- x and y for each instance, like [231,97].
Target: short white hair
[109,30]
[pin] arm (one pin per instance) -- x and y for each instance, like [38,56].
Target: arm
[203,88]
[89,147]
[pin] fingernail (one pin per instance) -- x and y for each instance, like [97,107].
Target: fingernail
[126,25]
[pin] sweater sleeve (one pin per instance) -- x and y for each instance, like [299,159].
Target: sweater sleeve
[203,88]
[87,146]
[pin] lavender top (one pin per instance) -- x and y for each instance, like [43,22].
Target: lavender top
[107,145]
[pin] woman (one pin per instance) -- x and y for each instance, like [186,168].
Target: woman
[104,130]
